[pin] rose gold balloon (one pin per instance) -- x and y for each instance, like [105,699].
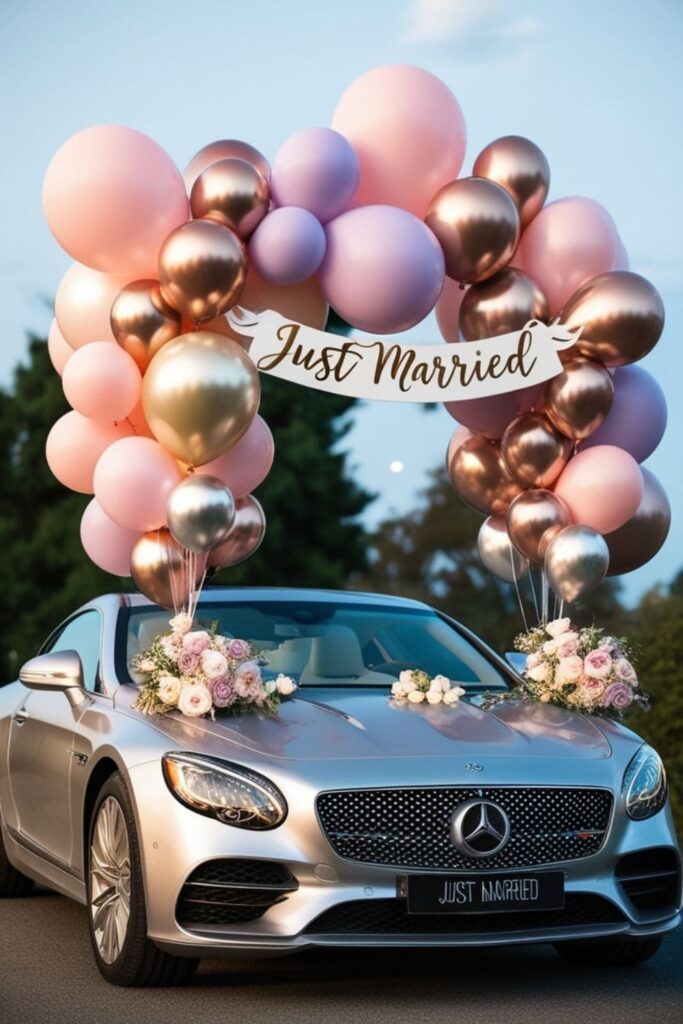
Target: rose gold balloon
[142,321]
[639,540]
[519,166]
[202,269]
[479,476]
[224,149]
[159,567]
[579,398]
[233,193]
[534,451]
[502,303]
[246,534]
[533,520]
[459,437]
[622,316]
[477,224]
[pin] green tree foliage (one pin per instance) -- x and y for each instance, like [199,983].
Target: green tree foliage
[313,536]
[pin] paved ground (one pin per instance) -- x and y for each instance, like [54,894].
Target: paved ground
[47,976]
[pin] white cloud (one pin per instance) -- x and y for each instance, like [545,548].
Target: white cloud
[474,28]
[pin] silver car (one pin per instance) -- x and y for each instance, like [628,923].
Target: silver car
[345,820]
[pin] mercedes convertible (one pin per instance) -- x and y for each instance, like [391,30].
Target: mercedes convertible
[347,819]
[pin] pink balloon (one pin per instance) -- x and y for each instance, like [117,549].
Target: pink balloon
[102,381]
[246,465]
[408,131]
[75,444]
[569,241]
[491,416]
[621,260]
[602,486]
[448,310]
[106,543]
[137,420]
[58,348]
[111,195]
[83,304]
[133,480]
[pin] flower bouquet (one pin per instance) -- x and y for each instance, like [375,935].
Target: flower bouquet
[580,669]
[414,686]
[199,672]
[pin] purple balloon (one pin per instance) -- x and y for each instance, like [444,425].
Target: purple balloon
[384,269]
[491,416]
[637,420]
[288,245]
[317,169]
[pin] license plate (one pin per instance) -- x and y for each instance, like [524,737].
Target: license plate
[483,894]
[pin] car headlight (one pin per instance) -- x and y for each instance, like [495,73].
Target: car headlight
[644,787]
[225,791]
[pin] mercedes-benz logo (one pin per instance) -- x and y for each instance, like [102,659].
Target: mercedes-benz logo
[480,828]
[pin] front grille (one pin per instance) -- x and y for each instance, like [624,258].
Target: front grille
[650,878]
[412,827]
[232,891]
[390,917]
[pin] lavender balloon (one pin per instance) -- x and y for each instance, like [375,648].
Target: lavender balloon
[384,268]
[637,419]
[318,169]
[287,246]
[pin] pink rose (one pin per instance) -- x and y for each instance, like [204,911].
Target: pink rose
[558,626]
[196,642]
[618,696]
[567,645]
[597,664]
[170,645]
[188,663]
[221,692]
[247,682]
[625,671]
[214,664]
[592,685]
[569,670]
[238,649]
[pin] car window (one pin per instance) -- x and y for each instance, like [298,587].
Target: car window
[83,635]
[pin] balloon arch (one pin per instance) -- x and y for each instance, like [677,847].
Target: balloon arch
[542,322]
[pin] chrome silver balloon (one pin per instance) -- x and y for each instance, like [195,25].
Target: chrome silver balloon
[497,552]
[200,512]
[576,561]
[110,880]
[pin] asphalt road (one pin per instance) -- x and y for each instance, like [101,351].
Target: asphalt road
[47,976]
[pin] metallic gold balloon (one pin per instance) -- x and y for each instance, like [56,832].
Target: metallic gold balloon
[497,553]
[622,316]
[142,321]
[224,149]
[534,451]
[160,569]
[477,224]
[200,512]
[245,536]
[202,269]
[533,519]
[502,303]
[639,540]
[519,166]
[233,193]
[199,395]
[479,476]
[578,399]
[576,561]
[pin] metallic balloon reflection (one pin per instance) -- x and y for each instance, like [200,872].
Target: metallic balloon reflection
[244,538]
[578,399]
[521,168]
[200,512]
[478,474]
[497,553]
[501,304]
[535,452]
[142,321]
[576,561]
[233,193]
[202,269]
[162,571]
[533,520]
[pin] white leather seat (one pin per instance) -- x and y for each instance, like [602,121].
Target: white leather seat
[336,659]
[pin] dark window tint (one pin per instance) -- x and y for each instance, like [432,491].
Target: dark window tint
[82,634]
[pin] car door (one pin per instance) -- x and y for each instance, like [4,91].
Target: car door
[41,746]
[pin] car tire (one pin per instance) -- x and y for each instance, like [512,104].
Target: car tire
[117,917]
[625,953]
[13,884]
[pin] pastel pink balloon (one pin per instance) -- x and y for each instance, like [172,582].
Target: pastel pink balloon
[58,348]
[569,241]
[602,486]
[408,131]
[246,465]
[448,310]
[83,305]
[621,260]
[106,543]
[111,195]
[133,480]
[137,420]
[102,381]
[74,446]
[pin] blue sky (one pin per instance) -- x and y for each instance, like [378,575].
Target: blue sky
[596,83]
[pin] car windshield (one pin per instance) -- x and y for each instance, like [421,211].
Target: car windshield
[328,643]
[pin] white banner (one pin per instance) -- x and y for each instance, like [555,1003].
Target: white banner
[394,372]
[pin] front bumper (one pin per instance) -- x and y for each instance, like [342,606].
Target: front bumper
[175,841]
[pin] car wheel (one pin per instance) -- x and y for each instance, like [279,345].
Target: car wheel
[12,883]
[116,899]
[626,953]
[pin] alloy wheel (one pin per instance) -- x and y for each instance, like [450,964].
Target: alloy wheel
[110,880]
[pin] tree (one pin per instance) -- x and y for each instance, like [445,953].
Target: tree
[312,505]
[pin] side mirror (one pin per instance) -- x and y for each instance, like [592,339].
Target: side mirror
[516,660]
[61,670]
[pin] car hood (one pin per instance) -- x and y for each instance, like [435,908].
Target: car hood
[339,723]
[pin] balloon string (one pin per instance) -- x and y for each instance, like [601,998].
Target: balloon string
[544,597]
[533,594]
[519,596]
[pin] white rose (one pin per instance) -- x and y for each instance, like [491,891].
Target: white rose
[285,685]
[214,664]
[146,665]
[550,646]
[406,679]
[453,695]
[441,683]
[194,700]
[539,673]
[569,670]
[400,690]
[169,689]
[558,626]
[416,696]
[434,696]
[534,659]
[182,623]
